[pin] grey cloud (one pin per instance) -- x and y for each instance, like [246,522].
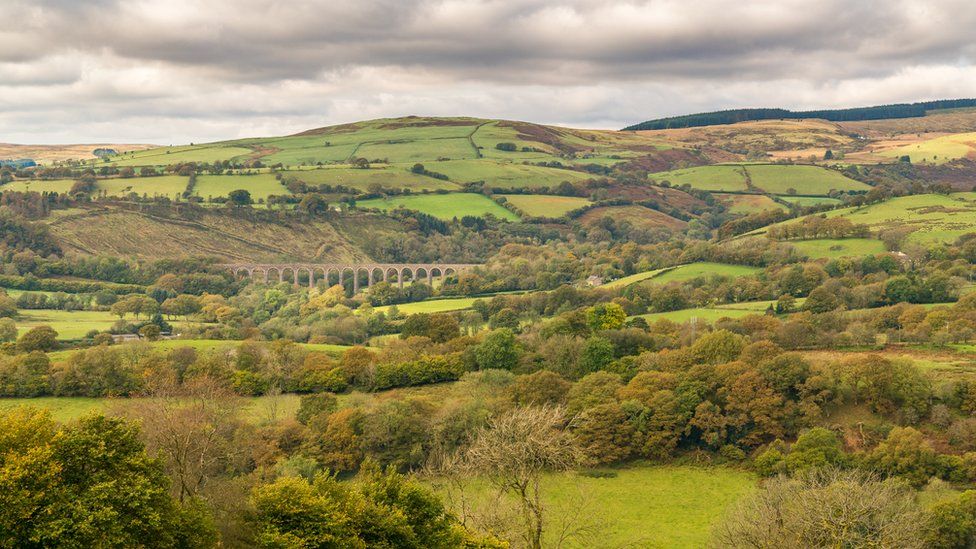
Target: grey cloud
[217,66]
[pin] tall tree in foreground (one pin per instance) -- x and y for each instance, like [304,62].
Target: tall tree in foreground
[513,453]
[382,510]
[826,509]
[89,483]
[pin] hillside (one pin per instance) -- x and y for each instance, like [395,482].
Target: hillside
[732,116]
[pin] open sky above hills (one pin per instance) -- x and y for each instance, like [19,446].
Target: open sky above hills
[180,71]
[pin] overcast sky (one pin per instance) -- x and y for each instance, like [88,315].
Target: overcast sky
[175,71]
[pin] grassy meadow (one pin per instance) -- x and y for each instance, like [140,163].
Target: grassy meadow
[638,216]
[838,247]
[701,314]
[938,150]
[695,270]
[443,206]
[164,185]
[261,185]
[719,178]
[638,506]
[745,204]
[543,205]
[808,180]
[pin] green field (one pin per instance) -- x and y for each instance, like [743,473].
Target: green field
[163,156]
[641,506]
[695,270]
[202,345]
[706,314]
[938,150]
[261,185]
[745,204]
[810,200]
[632,279]
[810,180]
[432,306]
[395,176]
[543,205]
[843,247]
[68,324]
[255,409]
[443,206]
[771,178]
[39,185]
[504,175]
[164,185]
[932,218]
[724,177]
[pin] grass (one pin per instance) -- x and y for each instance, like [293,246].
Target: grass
[543,205]
[261,185]
[706,314]
[255,409]
[396,176]
[642,506]
[938,150]
[432,306]
[638,216]
[771,178]
[39,185]
[695,270]
[809,200]
[838,247]
[931,218]
[725,177]
[203,345]
[68,324]
[443,206]
[165,185]
[745,204]
[163,156]
[808,180]
[632,279]
[504,175]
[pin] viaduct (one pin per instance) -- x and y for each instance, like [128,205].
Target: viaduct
[374,271]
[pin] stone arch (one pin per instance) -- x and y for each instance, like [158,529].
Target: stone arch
[277,273]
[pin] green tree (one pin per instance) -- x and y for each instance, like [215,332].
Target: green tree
[718,347]
[597,355]
[380,510]
[498,350]
[606,316]
[240,197]
[39,338]
[8,330]
[89,483]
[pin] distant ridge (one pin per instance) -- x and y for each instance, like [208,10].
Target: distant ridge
[880,112]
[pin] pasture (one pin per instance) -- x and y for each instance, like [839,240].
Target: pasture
[803,201]
[838,247]
[807,180]
[163,156]
[395,176]
[745,204]
[638,216]
[722,177]
[431,305]
[938,150]
[443,206]
[544,205]
[68,324]
[39,185]
[632,279]
[700,314]
[638,506]
[703,269]
[164,185]
[504,175]
[261,185]
[259,410]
